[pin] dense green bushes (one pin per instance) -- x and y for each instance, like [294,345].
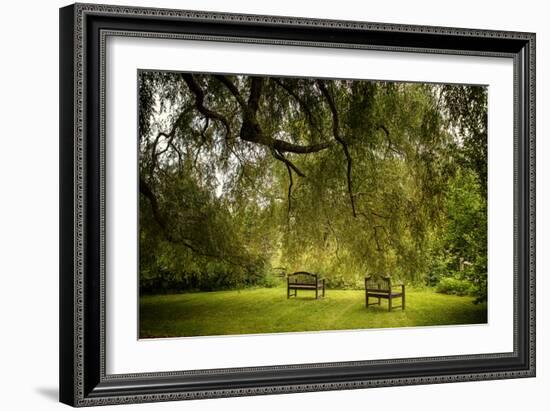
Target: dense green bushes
[455,286]
[459,250]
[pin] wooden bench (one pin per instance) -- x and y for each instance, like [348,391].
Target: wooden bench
[302,280]
[378,286]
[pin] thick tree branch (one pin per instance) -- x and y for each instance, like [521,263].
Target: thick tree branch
[250,128]
[256,88]
[286,147]
[251,131]
[303,105]
[199,103]
[279,156]
[147,192]
[336,132]
[291,183]
[232,89]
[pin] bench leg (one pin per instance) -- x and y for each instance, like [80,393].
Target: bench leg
[367,300]
[379,301]
[403,300]
[287,293]
[389,304]
[316,293]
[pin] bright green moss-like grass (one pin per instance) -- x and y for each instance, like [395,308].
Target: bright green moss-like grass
[267,310]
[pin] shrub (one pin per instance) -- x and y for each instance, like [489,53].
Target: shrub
[455,286]
[271,281]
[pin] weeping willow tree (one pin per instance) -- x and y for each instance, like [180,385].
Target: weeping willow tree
[240,174]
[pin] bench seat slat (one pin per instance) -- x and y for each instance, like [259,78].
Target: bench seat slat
[383,295]
[304,286]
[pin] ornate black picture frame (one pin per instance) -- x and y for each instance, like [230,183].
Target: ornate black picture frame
[83,379]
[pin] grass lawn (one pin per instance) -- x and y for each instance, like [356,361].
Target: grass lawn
[267,310]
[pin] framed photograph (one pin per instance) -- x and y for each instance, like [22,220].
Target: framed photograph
[261,204]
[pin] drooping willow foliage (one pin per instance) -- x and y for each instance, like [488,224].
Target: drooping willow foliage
[242,174]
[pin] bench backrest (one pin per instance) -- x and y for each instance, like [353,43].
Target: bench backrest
[378,282]
[302,277]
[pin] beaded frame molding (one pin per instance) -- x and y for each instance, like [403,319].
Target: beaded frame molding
[83,32]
